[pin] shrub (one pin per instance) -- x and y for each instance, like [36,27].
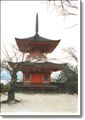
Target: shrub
[4,88]
[71,86]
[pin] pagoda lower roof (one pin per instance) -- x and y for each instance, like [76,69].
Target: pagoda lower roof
[36,65]
[27,44]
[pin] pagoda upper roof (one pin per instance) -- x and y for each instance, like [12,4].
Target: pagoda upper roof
[41,43]
[36,65]
[36,42]
[36,38]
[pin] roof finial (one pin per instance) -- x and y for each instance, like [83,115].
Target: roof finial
[37,23]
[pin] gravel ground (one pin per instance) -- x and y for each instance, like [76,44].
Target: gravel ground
[41,103]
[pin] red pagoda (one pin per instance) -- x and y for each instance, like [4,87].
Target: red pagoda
[36,69]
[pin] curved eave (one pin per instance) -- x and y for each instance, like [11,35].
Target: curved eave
[35,38]
[36,66]
[27,44]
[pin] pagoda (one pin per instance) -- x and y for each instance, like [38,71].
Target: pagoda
[36,68]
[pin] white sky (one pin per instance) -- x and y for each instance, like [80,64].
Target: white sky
[18,20]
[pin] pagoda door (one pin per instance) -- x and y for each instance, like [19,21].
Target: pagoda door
[36,78]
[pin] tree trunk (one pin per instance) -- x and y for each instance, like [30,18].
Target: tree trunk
[11,92]
[11,95]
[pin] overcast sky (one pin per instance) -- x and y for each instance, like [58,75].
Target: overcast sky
[18,20]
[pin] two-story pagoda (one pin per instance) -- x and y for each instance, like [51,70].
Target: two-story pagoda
[36,69]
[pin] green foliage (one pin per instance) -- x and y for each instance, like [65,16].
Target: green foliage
[70,77]
[62,78]
[71,86]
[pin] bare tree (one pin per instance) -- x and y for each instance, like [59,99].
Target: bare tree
[65,7]
[71,53]
[5,65]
